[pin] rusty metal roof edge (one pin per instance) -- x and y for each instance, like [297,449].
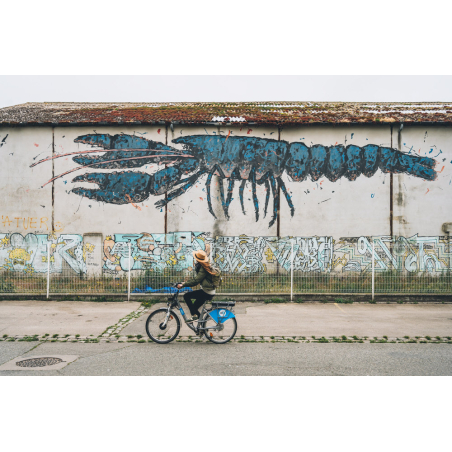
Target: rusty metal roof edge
[279,113]
[229,124]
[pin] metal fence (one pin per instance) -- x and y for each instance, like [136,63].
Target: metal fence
[100,277]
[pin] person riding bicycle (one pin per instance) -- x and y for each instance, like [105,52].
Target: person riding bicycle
[203,276]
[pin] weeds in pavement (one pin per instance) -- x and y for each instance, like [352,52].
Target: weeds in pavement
[77,335]
[343,300]
[385,337]
[428,338]
[274,300]
[55,335]
[406,337]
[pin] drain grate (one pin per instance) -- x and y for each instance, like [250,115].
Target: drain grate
[39,362]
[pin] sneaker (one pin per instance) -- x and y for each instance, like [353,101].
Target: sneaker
[192,319]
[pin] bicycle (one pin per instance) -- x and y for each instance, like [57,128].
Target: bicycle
[217,323]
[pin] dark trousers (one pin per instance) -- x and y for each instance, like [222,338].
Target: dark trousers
[199,297]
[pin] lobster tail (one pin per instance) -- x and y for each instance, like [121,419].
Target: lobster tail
[352,161]
[394,161]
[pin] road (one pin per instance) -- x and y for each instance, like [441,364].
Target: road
[235,358]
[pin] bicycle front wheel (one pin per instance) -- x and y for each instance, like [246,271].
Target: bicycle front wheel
[220,333]
[155,329]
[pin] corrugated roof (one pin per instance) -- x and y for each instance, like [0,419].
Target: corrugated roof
[275,113]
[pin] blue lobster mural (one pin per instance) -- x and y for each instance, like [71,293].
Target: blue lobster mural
[239,159]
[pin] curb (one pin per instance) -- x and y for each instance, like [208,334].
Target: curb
[241,339]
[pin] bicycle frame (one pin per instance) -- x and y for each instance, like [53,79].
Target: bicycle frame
[199,326]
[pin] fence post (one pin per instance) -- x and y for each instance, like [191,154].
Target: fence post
[48,270]
[130,268]
[373,270]
[291,275]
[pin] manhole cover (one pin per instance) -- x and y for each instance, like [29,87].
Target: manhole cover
[39,362]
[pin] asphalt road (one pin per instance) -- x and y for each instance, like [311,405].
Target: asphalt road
[237,358]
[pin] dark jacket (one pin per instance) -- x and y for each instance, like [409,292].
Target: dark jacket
[202,277]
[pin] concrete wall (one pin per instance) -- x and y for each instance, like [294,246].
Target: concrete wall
[332,226]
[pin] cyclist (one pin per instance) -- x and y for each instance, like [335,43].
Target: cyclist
[206,293]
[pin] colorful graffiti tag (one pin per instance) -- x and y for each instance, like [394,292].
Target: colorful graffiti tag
[29,254]
[245,254]
[236,254]
[241,159]
[414,254]
[155,252]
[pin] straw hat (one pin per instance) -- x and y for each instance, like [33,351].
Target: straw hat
[201,256]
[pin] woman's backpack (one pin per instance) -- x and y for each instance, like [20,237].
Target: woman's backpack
[216,279]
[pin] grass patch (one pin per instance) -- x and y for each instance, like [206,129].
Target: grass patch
[275,300]
[343,300]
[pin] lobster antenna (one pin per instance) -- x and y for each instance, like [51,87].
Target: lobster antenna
[101,150]
[110,161]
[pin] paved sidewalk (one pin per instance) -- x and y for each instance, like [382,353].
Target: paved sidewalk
[27,318]
[60,317]
[332,319]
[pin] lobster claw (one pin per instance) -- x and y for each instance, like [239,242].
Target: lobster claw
[162,181]
[116,188]
[127,186]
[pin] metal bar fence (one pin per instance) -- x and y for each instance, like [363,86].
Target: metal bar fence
[100,274]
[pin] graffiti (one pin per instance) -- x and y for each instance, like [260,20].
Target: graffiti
[414,254]
[29,254]
[245,254]
[242,254]
[153,252]
[257,161]
[26,222]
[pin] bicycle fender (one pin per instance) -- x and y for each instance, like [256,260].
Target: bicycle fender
[221,315]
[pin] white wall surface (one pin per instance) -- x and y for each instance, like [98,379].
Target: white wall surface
[25,206]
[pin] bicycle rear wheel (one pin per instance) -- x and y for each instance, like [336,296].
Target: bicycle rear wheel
[155,330]
[222,332]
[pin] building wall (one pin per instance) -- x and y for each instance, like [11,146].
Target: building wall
[332,228]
